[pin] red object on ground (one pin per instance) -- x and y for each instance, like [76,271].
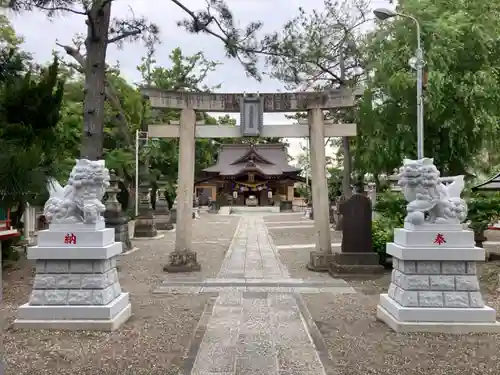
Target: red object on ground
[5,229]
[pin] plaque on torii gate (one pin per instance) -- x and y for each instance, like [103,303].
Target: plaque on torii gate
[231,102]
[251,116]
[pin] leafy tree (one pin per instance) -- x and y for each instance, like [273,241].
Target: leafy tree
[335,177]
[102,31]
[461,98]
[30,105]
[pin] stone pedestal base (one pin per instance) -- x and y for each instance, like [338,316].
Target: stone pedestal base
[163,222]
[434,286]
[319,262]
[76,285]
[286,206]
[438,320]
[75,318]
[120,225]
[196,212]
[358,264]
[145,227]
[182,261]
[173,215]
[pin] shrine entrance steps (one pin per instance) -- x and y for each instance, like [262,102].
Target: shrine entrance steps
[238,210]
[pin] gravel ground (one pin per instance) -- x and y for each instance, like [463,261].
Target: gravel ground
[284,217]
[153,341]
[360,345]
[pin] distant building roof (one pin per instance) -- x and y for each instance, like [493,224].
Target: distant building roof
[493,184]
[266,159]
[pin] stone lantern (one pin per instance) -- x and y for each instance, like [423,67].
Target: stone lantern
[114,216]
[162,213]
[145,224]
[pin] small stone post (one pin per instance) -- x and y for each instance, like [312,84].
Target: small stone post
[183,258]
[114,216]
[196,207]
[321,256]
[145,223]
[162,213]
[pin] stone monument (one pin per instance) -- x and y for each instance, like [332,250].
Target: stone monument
[356,254]
[76,284]
[434,285]
[114,216]
[162,214]
[196,207]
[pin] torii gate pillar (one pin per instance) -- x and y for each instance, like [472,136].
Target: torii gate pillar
[183,259]
[320,258]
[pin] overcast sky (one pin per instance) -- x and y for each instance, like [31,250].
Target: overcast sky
[41,33]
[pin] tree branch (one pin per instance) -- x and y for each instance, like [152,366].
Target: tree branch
[249,46]
[110,91]
[125,34]
[51,7]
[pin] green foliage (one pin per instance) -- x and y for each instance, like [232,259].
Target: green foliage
[334,183]
[9,251]
[30,103]
[483,209]
[391,211]
[392,207]
[31,107]
[462,99]
[382,233]
[186,73]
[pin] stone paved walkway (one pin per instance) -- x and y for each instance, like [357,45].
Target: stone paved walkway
[258,324]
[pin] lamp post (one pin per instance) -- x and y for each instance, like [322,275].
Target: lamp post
[417,63]
[140,135]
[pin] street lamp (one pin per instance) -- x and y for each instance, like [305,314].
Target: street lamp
[140,135]
[417,63]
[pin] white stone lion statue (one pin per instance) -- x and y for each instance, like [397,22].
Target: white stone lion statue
[425,193]
[80,200]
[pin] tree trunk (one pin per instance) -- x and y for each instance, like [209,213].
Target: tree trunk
[95,74]
[346,180]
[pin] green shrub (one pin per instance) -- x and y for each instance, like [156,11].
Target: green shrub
[483,209]
[391,206]
[382,232]
[9,252]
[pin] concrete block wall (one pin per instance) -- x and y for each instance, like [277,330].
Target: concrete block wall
[435,284]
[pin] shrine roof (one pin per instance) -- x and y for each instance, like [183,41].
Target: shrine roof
[266,159]
[492,184]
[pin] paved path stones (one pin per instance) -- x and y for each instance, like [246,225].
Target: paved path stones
[258,323]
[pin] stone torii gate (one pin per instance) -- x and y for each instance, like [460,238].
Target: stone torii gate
[251,108]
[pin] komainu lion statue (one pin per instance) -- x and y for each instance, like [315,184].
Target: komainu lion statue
[425,193]
[80,200]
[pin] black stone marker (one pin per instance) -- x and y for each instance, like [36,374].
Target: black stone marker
[114,216]
[357,255]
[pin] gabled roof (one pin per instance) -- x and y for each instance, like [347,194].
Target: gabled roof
[251,156]
[266,159]
[493,184]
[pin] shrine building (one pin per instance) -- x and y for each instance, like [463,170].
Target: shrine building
[247,174]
